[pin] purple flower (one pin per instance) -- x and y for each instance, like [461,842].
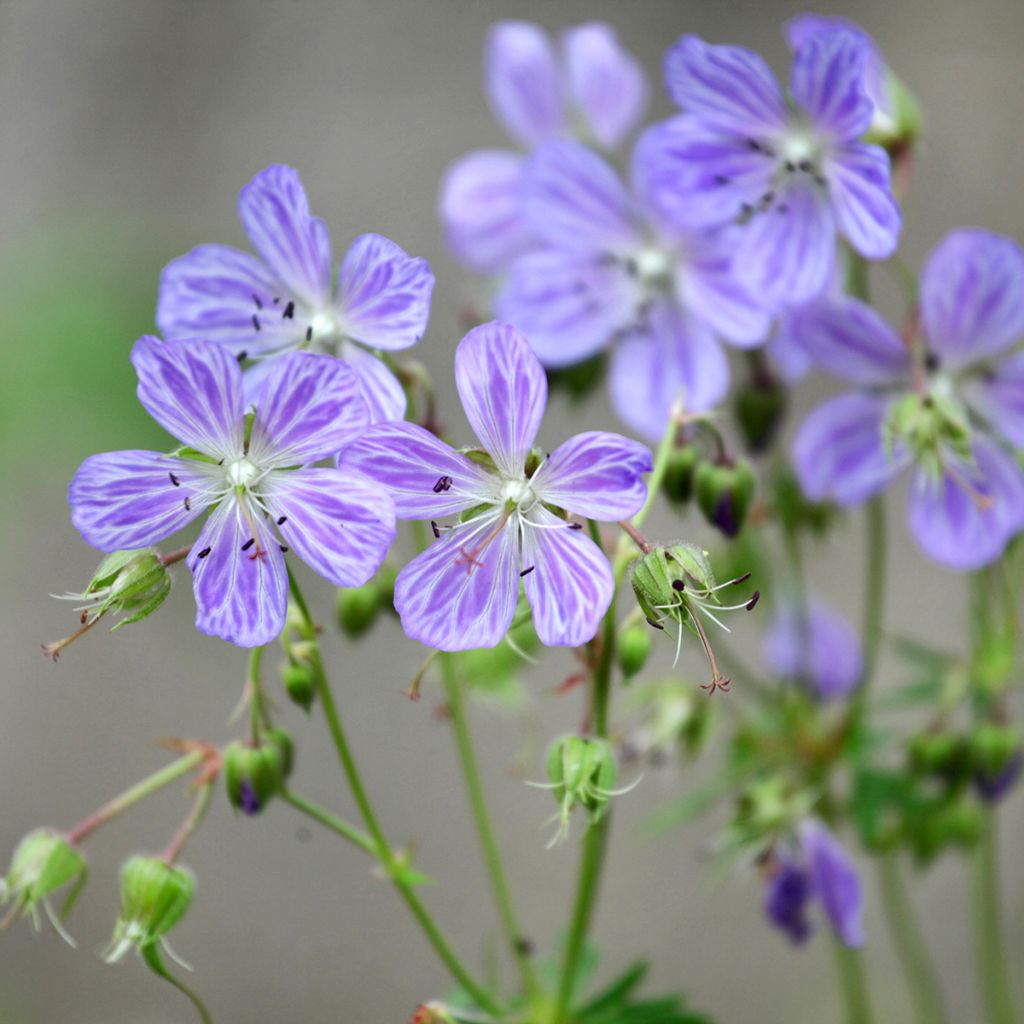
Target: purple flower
[812,644]
[787,896]
[993,787]
[286,299]
[258,481]
[594,88]
[793,176]
[945,405]
[606,267]
[511,501]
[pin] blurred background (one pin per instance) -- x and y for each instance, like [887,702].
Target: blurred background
[127,128]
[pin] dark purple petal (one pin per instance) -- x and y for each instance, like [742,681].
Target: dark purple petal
[481,209]
[868,217]
[340,525]
[828,83]
[241,596]
[673,357]
[606,84]
[728,87]
[965,519]
[998,397]
[308,409]
[787,895]
[275,214]
[972,296]
[131,499]
[503,390]
[573,199]
[595,474]
[849,339]
[423,476]
[221,294]
[839,451]
[193,389]
[835,882]
[461,593]
[568,304]
[570,584]
[523,82]
[383,394]
[383,295]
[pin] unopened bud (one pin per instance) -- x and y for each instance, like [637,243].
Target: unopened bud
[992,746]
[154,898]
[938,753]
[358,608]
[633,649]
[760,410]
[299,683]
[579,380]
[677,483]
[43,862]
[724,494]
[582,773]
[253,772]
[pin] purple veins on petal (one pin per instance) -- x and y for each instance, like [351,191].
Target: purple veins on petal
[828,83]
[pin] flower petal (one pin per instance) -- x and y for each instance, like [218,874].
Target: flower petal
[383,394]
[461,593]
[998,397]
[839,452]
[835,882]
[523,81]
[383,294]
[412,465]
[607,84]
[241,596]
[481,209]
[595,474]
[673,357]
[308,409]
[275,213]
[131,499]
[868,216]
[727,87]
[193,389]
[569,582]
[828,82]
[503,390]
[972,296]
[965,522]
[787,893]
[338,524]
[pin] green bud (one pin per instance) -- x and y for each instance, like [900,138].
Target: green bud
[899,130]
[386,576]
[633,648]
[794,511]
[254,772]
[358,608]
[581,772]
[299,683]
[43,862]
[677,483]
[760,410]
[286,745]
[660,576]
[938,753]
[991,746]
[958,822]
[579,380]
[724,494]
[154,898]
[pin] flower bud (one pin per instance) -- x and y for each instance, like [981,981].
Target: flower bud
[760,410]
[254,772]
[386,576]
[677,483]
[580,379]
[662,574]
[993,787]
[581,772]
[633,649]
[358,608]
[724,494]
[938,753]
[299,683]
[154,898]
[43,862]
[991,747]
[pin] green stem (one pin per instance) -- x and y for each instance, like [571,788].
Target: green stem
[993,976]
[383,849]
[484,828]
[874,594]
[852,984]
[190,824]
[152,958]
[330,821]
[661,458]
[257,710]
[925,990]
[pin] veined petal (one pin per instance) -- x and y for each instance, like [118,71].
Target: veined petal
[461,593]
[193,389]
[241,595]
[131,499]
[965,519]
[727,87]
[423,476]
[383,294]
[573,199]
[275,214]
[309,408]
[595,474]
[835,882]
[338,524]
[998,397]
[828,83]
[383,394]
[839,451]
[606,84]
[858,177]
[569,582]
[972,296]
[523,81]
[672,357]
[481,209]
[503,390]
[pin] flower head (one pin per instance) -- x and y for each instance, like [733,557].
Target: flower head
[512,503]
[154,898]
[286,299]
[256,478]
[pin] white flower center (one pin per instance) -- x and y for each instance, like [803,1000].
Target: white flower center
[519,492]
[325,329]
[653,265]
[241,473]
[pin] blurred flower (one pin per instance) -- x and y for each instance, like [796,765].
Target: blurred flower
[260,308]
[461,592]
[993,786]
[257,480]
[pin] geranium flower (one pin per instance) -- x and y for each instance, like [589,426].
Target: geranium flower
[258,480]
[511,501]
[283,300]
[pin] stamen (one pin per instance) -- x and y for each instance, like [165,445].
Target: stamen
[248,544]
[527,571]
[174,480]
[289,311]
[282,520]
[753,601]
[678,585]
[283,547]
[188,504]
[651,622]
[242,356]
[309,333]
[575,526]
[256,299]
[256,322]
[203,553]
[444,483]
[436,529]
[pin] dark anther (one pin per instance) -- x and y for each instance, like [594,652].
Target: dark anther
[767,199]
[805,166]
[651,622]
[436,529]
[85,615]
[721,179]
[678,585]
[790,166]
[524,946]
[820,179]
[242,355]
[188,505]
[256,321]
[289,311]
[782,208]
[248,544]
[631,267]
[282,520]
[220,462]
[754,145]
[309,333]
[256,299]
[527,571]
[174,480]
[277,299]
[753,600]
[444,483]
[203,553]
[283,547]
[575,526]
[746,209]
[742,579]
[932,362]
